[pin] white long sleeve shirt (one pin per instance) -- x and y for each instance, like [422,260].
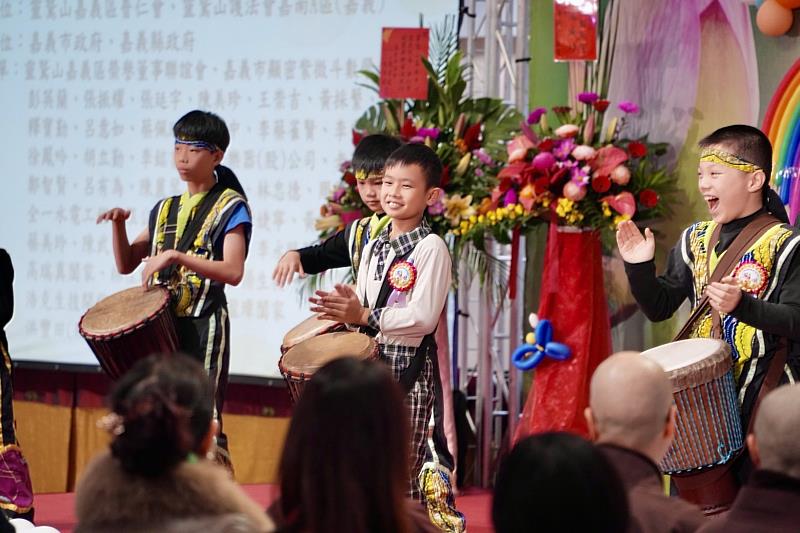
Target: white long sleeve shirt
[406,322]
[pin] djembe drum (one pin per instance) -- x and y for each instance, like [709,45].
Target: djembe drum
[308,329]
[708,432]
[128,326]
[301,361]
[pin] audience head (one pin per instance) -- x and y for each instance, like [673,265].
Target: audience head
[775,441]
[558,482]
[630,405]
[345,459]
[162,411]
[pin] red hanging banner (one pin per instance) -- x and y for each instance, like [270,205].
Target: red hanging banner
[402,73]
[573,299]
[575,30]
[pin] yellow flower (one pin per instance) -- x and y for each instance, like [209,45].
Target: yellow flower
[457,207]
[328,222]
[546,201]
[463,164]
[606,209]
[481,219]
[456,232]
[518,209]
[473,219]
[564,207]
[619,219]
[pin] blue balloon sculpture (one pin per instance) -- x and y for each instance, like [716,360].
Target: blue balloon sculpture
[528,355]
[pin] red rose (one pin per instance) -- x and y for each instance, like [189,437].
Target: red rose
[546,145]
[357,136]
[601,105]
[349,178]
[540,185]
[472,137]
[601,184]
[637,149]
[648,198]
[408,130]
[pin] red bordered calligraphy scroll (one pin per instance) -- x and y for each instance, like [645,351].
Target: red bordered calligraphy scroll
[575,30]
[402,73]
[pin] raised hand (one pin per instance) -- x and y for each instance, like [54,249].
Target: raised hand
[116,214]
[287,267]
[633,246]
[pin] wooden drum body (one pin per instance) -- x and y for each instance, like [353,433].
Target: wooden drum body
[128,326]
[709,429]
[301,361]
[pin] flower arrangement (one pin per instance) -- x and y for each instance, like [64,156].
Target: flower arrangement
[576,174]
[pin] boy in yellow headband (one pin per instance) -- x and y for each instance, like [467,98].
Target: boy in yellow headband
[344,248]
[753,301]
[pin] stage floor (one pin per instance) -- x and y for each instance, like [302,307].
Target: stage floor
[57,510]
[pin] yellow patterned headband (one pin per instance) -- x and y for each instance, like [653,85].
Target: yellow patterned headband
[362,174]
[715,155]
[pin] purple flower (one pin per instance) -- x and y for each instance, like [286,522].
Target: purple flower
[579,175]
[479,172]
[536,114]
[510,197]
[416,140]
[482,156]
[433,133]
[588,98]
[437,208]
[344,166]
[628,107]
[338,193]
[563,148]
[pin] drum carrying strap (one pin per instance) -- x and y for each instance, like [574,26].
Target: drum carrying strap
[192,227]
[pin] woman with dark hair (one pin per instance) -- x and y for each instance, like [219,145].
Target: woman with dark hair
[157,476]
[344,466]
[558,482]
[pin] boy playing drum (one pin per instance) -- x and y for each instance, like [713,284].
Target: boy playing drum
[739,269]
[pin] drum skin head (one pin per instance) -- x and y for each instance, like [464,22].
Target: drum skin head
[308,356]
[683,353]
[307,329]
[692,362]
[123,310]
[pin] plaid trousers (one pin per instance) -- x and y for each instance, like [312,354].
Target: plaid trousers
[429,482]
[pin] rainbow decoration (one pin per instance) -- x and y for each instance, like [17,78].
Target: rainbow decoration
[782,126]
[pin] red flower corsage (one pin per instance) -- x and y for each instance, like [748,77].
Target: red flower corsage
[752,276]
[402,276]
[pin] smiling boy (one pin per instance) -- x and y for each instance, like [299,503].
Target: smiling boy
[401,290]
[754,304]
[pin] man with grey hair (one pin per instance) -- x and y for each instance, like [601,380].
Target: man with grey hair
[770,501]
[632,419]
